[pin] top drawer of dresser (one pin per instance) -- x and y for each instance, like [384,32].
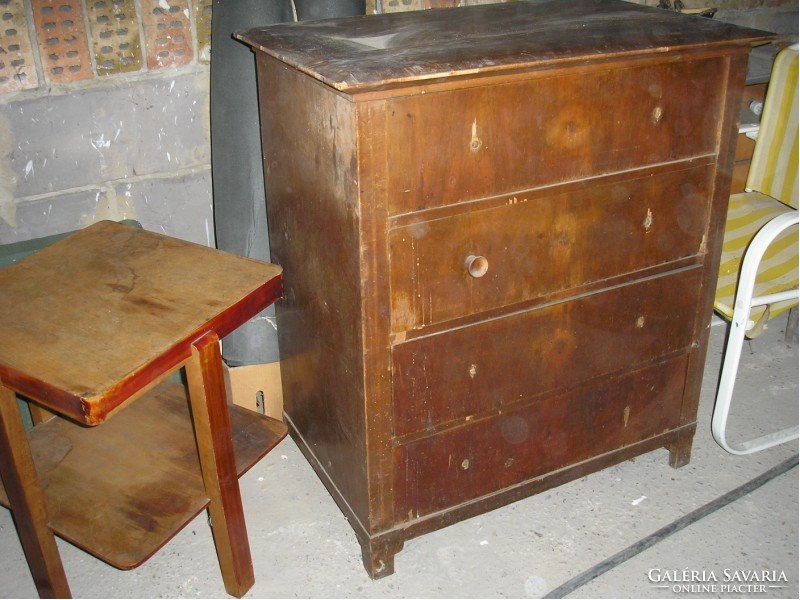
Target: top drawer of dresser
[464,144]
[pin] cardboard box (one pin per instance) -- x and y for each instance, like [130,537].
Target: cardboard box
[256,387]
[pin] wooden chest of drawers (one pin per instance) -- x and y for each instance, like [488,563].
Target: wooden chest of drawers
[500,230]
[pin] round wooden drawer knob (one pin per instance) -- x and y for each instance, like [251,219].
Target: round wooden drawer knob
[477,265]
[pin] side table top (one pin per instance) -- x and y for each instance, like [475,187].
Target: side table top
[97,316]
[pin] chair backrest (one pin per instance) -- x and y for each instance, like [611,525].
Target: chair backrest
[773,170]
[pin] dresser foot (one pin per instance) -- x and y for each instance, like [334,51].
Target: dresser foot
[680,452]
[378,556]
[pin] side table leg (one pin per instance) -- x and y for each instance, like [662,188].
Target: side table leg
[39,414]
[27,502]
[215,447]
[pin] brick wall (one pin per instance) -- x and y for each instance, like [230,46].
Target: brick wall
[65,41]
[104,114]
[104,110]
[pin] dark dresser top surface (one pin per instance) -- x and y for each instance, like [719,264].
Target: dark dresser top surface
[358,53]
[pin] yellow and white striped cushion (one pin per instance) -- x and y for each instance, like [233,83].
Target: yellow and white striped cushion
[747,213]
[773,170]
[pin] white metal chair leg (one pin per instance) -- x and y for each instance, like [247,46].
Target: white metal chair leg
[733,351]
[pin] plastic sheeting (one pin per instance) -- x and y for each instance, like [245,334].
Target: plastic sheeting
[240,214]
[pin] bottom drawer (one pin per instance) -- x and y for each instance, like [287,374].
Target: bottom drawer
[480,457]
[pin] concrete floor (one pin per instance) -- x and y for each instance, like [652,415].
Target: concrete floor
[303,547]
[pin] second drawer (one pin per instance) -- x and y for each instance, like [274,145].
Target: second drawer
[533,244]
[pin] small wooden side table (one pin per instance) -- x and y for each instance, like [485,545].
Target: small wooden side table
[90,328]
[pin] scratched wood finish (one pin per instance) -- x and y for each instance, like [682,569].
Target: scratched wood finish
[124,275]
[456,376]
[311,182]
[19,482]
[542,242]
[355,54]
[541,131]
[736,71]
[122,490]
[490,454]
[388,159]
[212,427]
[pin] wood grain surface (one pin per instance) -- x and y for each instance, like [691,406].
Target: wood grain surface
[470,143]
[313,216]
[540,243]
[465,373]
[358,53]
[19,484]
[212,429]
[581,150]
[134,301]
[490,454]
[122,490]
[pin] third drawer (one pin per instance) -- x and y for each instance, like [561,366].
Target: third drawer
[470,372]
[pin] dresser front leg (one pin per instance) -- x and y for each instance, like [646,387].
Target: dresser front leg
[378,555]
[680,452]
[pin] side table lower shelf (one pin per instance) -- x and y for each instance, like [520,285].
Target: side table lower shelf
[123,489]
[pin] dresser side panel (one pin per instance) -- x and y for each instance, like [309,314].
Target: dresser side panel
[310,172]
[728,126]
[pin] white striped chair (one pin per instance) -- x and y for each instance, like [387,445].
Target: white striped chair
[758,275]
